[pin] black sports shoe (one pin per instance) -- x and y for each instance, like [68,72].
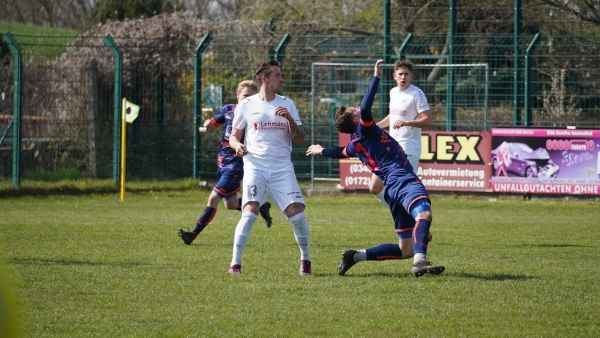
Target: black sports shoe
[423,267]
[264,212]
[187,237]
[347,261]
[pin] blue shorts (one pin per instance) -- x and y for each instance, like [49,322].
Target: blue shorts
[228,183]
[407,198]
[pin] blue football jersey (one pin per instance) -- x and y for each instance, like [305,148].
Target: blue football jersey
[374,146]
[225,117]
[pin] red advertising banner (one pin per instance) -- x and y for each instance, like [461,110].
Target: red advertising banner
[546,161]
[450,161]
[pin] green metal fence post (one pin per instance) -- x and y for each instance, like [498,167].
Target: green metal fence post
[279,52]
[405,44]
[517,34]
[384,92]
[528,65]
[450,111]
[198,97]
[108,40]
[17,117]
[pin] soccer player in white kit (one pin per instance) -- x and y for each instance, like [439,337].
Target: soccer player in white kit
[269,122]
[409,112]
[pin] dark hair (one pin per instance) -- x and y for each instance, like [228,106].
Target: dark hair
[344,121]
[404,63]
[265,69]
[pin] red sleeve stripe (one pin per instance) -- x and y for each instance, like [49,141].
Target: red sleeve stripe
[345,153]
[367,124]
[214,122]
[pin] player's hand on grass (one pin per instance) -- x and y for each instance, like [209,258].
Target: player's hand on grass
[314,149]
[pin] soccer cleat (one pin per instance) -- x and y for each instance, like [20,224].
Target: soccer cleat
[423,267]
[235,269]
[347,261]
[305,269]
[264,212]
[186,236]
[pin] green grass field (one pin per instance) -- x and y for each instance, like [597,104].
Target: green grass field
[91,266]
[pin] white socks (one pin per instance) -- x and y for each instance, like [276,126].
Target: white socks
[419,257]
[360,255]
[302,234]
[242,233]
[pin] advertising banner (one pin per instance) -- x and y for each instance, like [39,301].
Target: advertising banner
[546,161]
[450,161]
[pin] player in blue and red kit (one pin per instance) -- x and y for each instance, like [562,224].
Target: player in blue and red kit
[405,194]
[231,168]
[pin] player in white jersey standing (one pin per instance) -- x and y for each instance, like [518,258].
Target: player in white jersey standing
[409,112]
[269,122]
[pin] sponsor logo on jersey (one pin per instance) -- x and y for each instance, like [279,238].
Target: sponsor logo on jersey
[270,125]
[400,112]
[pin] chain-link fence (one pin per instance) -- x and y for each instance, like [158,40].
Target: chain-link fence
[70,128]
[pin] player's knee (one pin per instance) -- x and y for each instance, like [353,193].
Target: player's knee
[294,209]
[252,206]
[425,215]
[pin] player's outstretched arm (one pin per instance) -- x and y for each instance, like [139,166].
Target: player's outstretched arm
[316,149]
[210,125]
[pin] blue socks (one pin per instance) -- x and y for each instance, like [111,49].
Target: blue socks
[383,252]
[203,221]
[421,236]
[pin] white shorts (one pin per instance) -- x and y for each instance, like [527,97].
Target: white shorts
[282,187]
[414,161]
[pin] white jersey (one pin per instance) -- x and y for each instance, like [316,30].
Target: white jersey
[405,105]
[267,137]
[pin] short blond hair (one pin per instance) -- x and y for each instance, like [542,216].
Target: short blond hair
[247,84]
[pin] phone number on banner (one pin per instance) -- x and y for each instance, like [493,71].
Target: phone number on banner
[357,180]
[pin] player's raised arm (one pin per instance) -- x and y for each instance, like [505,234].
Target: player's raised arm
[367,103]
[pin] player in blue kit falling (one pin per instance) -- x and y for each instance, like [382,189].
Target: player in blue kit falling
[230,168]
[408,200]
